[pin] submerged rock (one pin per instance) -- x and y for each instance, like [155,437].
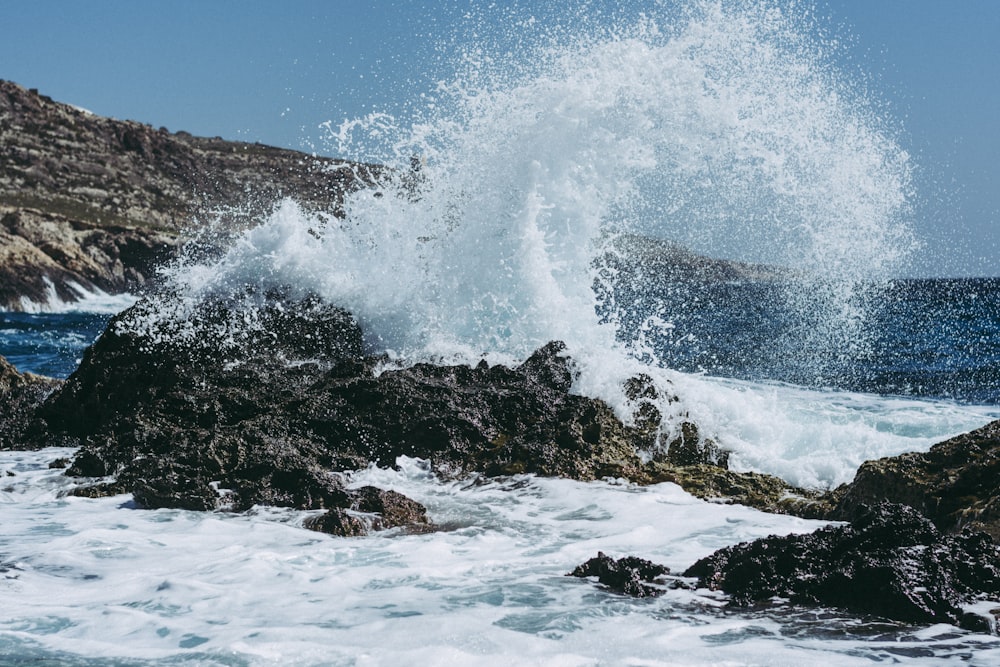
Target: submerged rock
[890,561]
[956,484]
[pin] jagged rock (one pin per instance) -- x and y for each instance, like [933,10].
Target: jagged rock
[20,395]
[956,484]
[171,401]
[890,561]
[684,444]
[629,575]
[255,399]
[45,257]
[94,201]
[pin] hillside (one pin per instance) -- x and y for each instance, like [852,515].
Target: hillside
[95,201]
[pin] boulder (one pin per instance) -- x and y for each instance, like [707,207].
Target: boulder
[629,575]
[956,484]
[890,561]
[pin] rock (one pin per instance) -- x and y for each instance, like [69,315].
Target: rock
[193,402]
[629,575]
[255,398]
[683,445]
[757,490]
[94,201]
[496,420]
[237,392]
[955,484]
[370,509]
[20,395]
[46,257]
[891,562]
[699,466]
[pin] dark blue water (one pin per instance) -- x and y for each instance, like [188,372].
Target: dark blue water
[926,338]
[48,343]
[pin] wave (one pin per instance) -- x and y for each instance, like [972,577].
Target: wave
[725,128]
[93,300]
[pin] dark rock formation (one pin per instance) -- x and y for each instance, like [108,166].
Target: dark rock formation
[171,406]
[956,484]
[628,575]
[94,200]
[20,395]
[254,398]
[890,561]
[259,398]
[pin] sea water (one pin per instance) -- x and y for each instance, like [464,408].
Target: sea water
[724,127]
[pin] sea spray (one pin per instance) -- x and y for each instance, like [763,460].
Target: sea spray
[724,127]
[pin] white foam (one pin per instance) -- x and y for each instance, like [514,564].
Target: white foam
[726,129]
[93,300]
[818,438]
[99,580]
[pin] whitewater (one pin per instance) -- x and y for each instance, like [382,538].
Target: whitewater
[725,127]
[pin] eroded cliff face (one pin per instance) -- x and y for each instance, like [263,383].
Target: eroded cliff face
[94,202]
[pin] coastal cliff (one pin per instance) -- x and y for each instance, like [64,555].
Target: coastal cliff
[91,203]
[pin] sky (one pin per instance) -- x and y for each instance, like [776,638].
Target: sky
[274,72]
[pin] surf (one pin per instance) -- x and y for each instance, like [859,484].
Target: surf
[725,128]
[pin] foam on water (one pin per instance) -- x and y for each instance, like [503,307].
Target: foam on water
[817,438]
[90,581]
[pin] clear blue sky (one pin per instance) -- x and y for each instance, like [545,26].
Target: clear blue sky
[272,72]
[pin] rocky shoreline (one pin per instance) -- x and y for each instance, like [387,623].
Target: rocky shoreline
[199,411]
[268,399]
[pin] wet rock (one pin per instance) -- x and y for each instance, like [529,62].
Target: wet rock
[757,490]
[954,484]
[891,562]
[262,394]
[256,398]
[629,575]
[496,420]
[370,509]
[20,395]
[683,444]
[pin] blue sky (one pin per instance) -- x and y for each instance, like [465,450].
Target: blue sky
[273,72]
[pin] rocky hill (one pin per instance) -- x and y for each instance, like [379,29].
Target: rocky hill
[91,202]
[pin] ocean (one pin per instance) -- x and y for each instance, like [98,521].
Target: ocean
[727,130]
